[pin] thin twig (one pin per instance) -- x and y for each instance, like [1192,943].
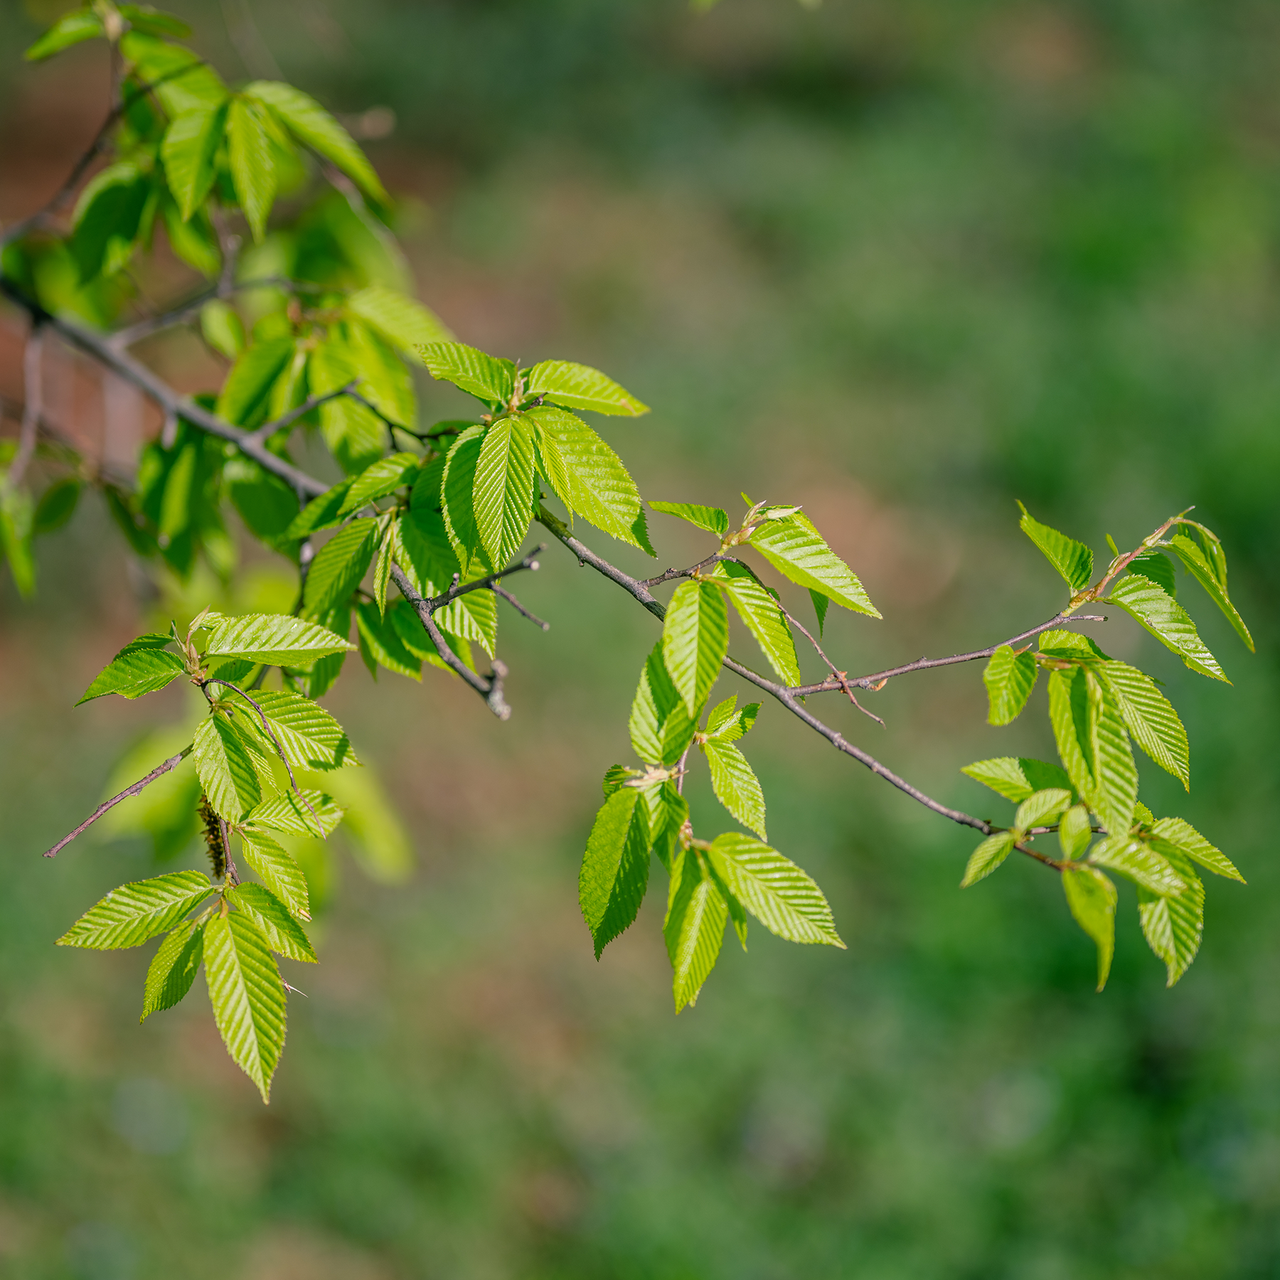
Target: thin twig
[499,590]
[669,575]
[133,790]
[836,673]
[288,419]
[33,402]
[528,561]
[232,874]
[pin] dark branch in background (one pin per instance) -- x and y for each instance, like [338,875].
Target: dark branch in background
[155,773]
[288,419]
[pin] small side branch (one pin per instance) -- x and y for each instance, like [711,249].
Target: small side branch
[288,419]
[506,595]
[107,805]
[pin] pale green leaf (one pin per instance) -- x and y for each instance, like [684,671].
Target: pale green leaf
[721,714]
[1150,718]
[1173,923]
[1092,899]
[189,149]
[183,81]
[1010,678]
[17,518]
[577,386]
[1075,830]
[133,913]
[735,784]
[288,813]
[820,606]
[278,870]
[320,513]
[173,968]
[382,478]
[615,867]
[1115,786]
[222,328]
[661,726]
[354,434]
[503,493]
[457,487]
[283,933]
[253,167]
[1072,559]
[694,926]
[712,519]
[246,994]
[1167,620]
[1211,574]
[987,857]
[798,551]
[245,396]
[1140,860]
[339,567]
[71,28]
[668,812]
[1015,777]
[1158,567]
[275,638]
[484,376]
[1070,645]
[225,768]
[758,608]
[309,736]
[1182,834]
[143,666]
[1042,807]
[381,645]
[404,322]
[695,639]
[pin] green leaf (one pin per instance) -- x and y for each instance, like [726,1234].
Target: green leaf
[503,496]
[283,933]
[383,477]
[721,714]
[245,396]
[222,328]
[1140,861]
[404,322]
[820,606]
[661,726]
[320,513]
[1178,832]
[987,857]
[596,484]
[287,813]
[615,867]
[143,666]
[225,768]
[490,379]
[1092,899]
[246,994]
[253,167]
[278,871]
[314,127]
[1010,678]
[668,812]
[1173,923]
[777,892]
[1072,559]
[1041,808]
[1016,778]
[759,609]
[712,519]
[695,639]
[354,434]
[1167,620]
[1210,571]
[1075,831]
[56,506]
[614,777]
[275,638]
[142,17]
[798,551]
[182,80]
[735,784]
[134,912]
[381,645]
[189,150]
[17,518]
[694,927]
[1070,645]
[457,487]
[71,28]
[1150,718]
[307,733]
[577,386]
[339,566]
[173,968]
[1159,568]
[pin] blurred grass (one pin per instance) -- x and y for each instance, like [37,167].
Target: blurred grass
[903,262]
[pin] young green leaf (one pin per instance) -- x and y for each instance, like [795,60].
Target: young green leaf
[458,484]
[1115,782]
[134,912]
[577,386]
[798,551]
[712,519]
[1158,567]
[1208,565]
[502,498]
[668,813]
[189,149]
[695,639]
[1072,559]
[1140,861]
[615,867]
[381,645]
[278,871]
[661,726]
[383,477]
[987,857]
[1010,678]
[735,784]
[246,994]
[320,513]
[226,768]
[1071,645]
[721,714]
[309,736]
[253,167]
[1074,720]
[173,968]
[143,666]
[484,376]
[71,28]
[777,892]
[1075,831]
[1042,807]
[694,927]
[286,812]
[245,396]
[339,566]
[56,506]
[1173,923]
[1092,899]
[17,517]
[1178,832]
[402,321]
[1016,778]
[283,933]
[760,610]
[1149,717]
[275,638]
[1167,620]
[314,127]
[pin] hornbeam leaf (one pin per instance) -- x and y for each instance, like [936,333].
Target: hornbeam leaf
[1167,620]
[668,812]
[253,167]
[763,616]
[721,714]
[1010,678]
[1074,718]
[695,639]
[143,666]
[246,994]
[189,148]
[381,645]
[484,376]
[1072,559]
[278,870]
[1182,834]
[797,550]
[1092,899]
[1070,645]
[578,386]
[245,396]
[309,736]
[1158,567]
[735,784]
[1074,831]
[314,127]
[820,606]
[320,513]
[402,321]
[339,566]
[712,519]
[287,813]
[173,968]
[987,857]
[694,927]
[615,867]
[377,481]
[1042,807]
[183,82]
[71,28]
[142,17]
[503,493]
[275,638]
[283,933]
[457,488]
[1207,574]
[1173,923]
[1140,860]
[777,892]
[134,912]
[1150,718]
[661,726]
[353,432]
[1115,784]
[225,768]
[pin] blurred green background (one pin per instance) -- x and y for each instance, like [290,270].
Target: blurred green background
[903,261]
